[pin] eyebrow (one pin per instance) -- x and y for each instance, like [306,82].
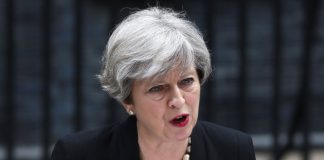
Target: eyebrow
[160,78]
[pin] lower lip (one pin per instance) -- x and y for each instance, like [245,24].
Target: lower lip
[181,124]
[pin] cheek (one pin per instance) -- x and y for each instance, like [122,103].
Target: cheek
[193,98]
[149,108]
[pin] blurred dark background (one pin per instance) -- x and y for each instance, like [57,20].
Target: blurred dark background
[268,78]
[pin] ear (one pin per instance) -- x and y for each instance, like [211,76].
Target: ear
[128,107]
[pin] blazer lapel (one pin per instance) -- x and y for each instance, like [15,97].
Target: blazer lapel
[201,146]
[127,146]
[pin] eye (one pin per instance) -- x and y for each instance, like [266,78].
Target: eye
[186,82]
[157,92]
[157,88]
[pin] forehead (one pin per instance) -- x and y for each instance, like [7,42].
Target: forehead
[174,73]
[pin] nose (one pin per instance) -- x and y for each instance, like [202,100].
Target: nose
[177,99]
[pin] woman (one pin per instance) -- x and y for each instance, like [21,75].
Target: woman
[154,64]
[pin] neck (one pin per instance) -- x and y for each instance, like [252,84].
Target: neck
[150,150]
[155,148]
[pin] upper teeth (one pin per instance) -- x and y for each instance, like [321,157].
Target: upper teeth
[180,117]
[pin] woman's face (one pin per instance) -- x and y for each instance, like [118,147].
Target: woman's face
[166,107]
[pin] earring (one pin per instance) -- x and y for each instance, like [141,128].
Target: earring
[130,112]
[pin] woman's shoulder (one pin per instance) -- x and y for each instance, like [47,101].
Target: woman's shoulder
[221,134]
[99,143]
[102,134]
[90,135]
[213,129]
[83,144]
[226,143]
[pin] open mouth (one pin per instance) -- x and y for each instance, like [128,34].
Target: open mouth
[180,120]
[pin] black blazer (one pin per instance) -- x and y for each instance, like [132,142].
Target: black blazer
[119,142]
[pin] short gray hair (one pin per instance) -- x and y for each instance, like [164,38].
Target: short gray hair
[150,43]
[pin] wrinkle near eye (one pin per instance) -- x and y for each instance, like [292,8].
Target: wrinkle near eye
[157,88]
[187,81]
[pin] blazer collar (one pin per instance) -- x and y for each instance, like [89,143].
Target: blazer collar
[130,149]
[198,148]
[128,140]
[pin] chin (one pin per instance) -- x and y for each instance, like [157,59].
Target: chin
[182,138]
[183,135]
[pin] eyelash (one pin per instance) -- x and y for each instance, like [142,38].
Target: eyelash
[156,88]
[185,82]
